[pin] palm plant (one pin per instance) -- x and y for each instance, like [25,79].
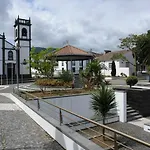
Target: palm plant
[103,100]
[92,74]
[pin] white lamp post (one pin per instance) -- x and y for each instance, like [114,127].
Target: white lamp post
[17,48]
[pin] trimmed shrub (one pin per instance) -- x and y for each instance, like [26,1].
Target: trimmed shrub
[131,80]
[66,76]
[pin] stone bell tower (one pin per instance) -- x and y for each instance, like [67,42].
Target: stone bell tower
[22,30]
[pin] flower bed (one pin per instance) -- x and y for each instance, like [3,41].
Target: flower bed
[52,83]
[59,92]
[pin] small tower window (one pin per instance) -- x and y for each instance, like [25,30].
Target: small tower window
[10,55]
[24,32]
[16,32]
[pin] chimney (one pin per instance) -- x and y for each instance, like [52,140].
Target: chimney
[107,51]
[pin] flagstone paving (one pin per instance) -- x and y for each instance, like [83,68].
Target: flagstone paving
[19,132]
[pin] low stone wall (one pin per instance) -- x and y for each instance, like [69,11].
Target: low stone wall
[139,99]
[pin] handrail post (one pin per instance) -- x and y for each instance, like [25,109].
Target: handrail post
[26,97]
[38,104]
[60,116]
[115,142]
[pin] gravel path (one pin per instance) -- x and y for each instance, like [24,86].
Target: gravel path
[19,132]
[134,131]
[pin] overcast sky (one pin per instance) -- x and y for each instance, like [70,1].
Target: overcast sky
[87,24]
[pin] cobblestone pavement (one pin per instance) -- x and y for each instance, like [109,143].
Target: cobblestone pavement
[19,132]
[134,131]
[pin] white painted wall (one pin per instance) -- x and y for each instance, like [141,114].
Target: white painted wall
[119,69]
[0,56]
[24,54]
[7,45]
[120,66]
[20,32]
[106,71]
[121,100]
[24,51]
[131,59]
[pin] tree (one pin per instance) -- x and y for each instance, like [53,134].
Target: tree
[113,69]
[148,70]
[143,47]
[43,62]
[129,43]
[103,100]
[92,75]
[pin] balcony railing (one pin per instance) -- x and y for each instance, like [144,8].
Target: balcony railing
[85,127]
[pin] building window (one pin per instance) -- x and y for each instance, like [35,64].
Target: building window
[80,63]
[24,32]
[16,32]
[62,69]
[73,69]
[127,64]
[110,64]
[62,63]
[73,63]
[10,55]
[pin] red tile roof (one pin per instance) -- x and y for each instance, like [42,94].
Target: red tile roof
[71,50]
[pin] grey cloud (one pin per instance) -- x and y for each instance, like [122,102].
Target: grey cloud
[4,16]
[87,24]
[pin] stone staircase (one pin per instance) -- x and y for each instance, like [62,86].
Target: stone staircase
[132,114]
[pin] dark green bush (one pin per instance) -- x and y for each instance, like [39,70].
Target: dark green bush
[66,76]
[131,80]
[113,69]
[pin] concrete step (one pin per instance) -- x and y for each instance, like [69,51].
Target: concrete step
[132,114]
[134,117]
[131,111]
[129,108]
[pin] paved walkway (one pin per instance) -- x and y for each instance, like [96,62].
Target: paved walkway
[134,131]
[140,122]
[19,132]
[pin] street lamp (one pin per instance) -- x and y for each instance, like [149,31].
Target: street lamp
[23,63]
[17,48]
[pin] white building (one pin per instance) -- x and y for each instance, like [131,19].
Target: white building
[71,58]
[121,66]
[22,38]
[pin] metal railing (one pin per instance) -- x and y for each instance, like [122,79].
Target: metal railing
[116,137]
[9,81]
